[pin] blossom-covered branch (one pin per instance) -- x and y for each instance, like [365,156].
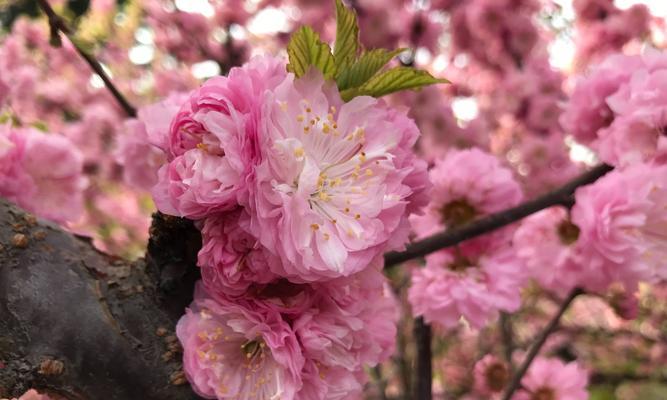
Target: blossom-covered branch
[454,236]
[57,24]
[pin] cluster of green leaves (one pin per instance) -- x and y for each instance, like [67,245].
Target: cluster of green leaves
[357,72]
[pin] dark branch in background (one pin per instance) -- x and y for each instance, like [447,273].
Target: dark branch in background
[617,378]
[537,345]
[560,196]
[507,335]
[424,373]
[381,382]
[57,24]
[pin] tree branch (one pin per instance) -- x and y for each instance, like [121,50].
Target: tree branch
[424,373]
[537,345]
[376,373]
[448,238]
[57,24]
[80,324]
[507,337]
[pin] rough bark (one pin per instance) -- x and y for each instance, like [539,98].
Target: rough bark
[79,324]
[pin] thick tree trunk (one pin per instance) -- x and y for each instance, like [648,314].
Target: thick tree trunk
[79,324]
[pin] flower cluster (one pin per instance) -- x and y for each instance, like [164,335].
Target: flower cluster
[490,376]
[297,195]
[619,109]
[615,233]
[41,172]
[495,33]
[476,279]
[603,28]
[287,340]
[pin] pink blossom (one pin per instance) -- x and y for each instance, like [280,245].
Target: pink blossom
[232,351]
[93,134]
[550,378]
[214,142]
[452,287]
[385,22]
[495,33]
[594,10]
[55,166]
[337,181]
[14,180]
[141,146]
[466,185]
[543,163]
[316,338]
[622,222]
[41,173]
[587,110]
[490,375]
[326,383]
[603,28]
[231,12]
[352,325]
[230,258]
[186,35]
[545,241]
[637,134]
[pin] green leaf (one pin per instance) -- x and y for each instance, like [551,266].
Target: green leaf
[365,68]
[397,79]
[347,35]
[305,49]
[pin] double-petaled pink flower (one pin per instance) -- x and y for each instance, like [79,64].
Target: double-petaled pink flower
[214,143]
[289,341]
[479,277]
[336,181]
[552,379]
[42,173]
[233,351]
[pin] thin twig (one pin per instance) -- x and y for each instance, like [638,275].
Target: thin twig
[448,238]
[537,345]
[380,381]
[57,24]
[507,335]
[424,373]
